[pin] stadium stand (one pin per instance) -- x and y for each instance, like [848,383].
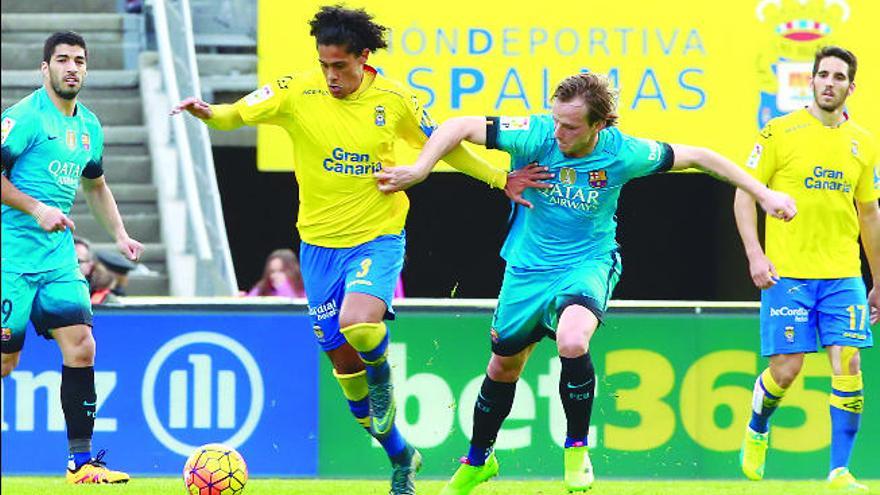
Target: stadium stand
[225,37]
[125,88]
[112,92]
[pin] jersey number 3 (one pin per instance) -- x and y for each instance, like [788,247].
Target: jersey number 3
[365,268]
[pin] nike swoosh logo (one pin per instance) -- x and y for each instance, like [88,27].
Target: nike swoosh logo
[569,385]
[382,426]
[89,404]
[52,137]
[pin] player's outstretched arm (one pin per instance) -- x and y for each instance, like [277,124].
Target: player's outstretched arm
[223,117]
[49,218]
[445,143]
[103,206]
[761,269]
[869,222]
[776,204]
[447,137]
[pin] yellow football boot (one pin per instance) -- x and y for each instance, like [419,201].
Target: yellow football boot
[94,471]
[754,454]
[578,469]
[841,479]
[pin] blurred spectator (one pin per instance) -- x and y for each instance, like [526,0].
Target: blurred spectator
[134,6]
[101,285]
[118,266]
[398,289]
[281,276]
[84,256]
[101,280]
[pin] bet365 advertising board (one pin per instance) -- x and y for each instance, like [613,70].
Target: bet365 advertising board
[673,398]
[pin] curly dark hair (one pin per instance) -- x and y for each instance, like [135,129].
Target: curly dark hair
[351,28]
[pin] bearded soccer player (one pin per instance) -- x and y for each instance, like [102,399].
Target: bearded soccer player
[562,257]
[343,121]
[812,292]
[51,144]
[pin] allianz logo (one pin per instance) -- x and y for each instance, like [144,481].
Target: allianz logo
[786,311]
[211,394]
[183,391]
[200,379]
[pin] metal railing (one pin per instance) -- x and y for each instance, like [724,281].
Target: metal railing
[206,230]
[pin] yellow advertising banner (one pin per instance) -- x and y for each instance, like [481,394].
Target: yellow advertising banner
[693,72]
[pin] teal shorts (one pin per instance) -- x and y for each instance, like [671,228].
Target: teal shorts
[54,299]
[532,300]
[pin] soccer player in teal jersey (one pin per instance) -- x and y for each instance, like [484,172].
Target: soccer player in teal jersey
[562,257]
[50,144]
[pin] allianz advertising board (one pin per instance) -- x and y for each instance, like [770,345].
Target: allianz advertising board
[168,382]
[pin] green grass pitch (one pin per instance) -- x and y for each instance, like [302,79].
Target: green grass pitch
[15,485]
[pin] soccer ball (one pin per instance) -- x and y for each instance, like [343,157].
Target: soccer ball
[215,469]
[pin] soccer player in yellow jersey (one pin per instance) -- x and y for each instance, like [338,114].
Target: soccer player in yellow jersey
[343,121]
[812,290]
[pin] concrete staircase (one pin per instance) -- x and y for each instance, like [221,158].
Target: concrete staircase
[112,92]
[226,47]
[225,78]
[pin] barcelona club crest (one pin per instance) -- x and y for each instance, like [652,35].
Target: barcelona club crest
[380,115]
[71,139]
[567,175]
[597,178]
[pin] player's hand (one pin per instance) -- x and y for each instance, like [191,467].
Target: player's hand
[762,271]
[874,304]
[130,248]
[195,107]
[399,178]
[779,205]
[521,179]
[52,219]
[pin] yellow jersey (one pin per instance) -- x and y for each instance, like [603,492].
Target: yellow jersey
[338,144]
[825,169]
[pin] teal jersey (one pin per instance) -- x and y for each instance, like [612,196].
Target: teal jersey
[44,154]
[574,221]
